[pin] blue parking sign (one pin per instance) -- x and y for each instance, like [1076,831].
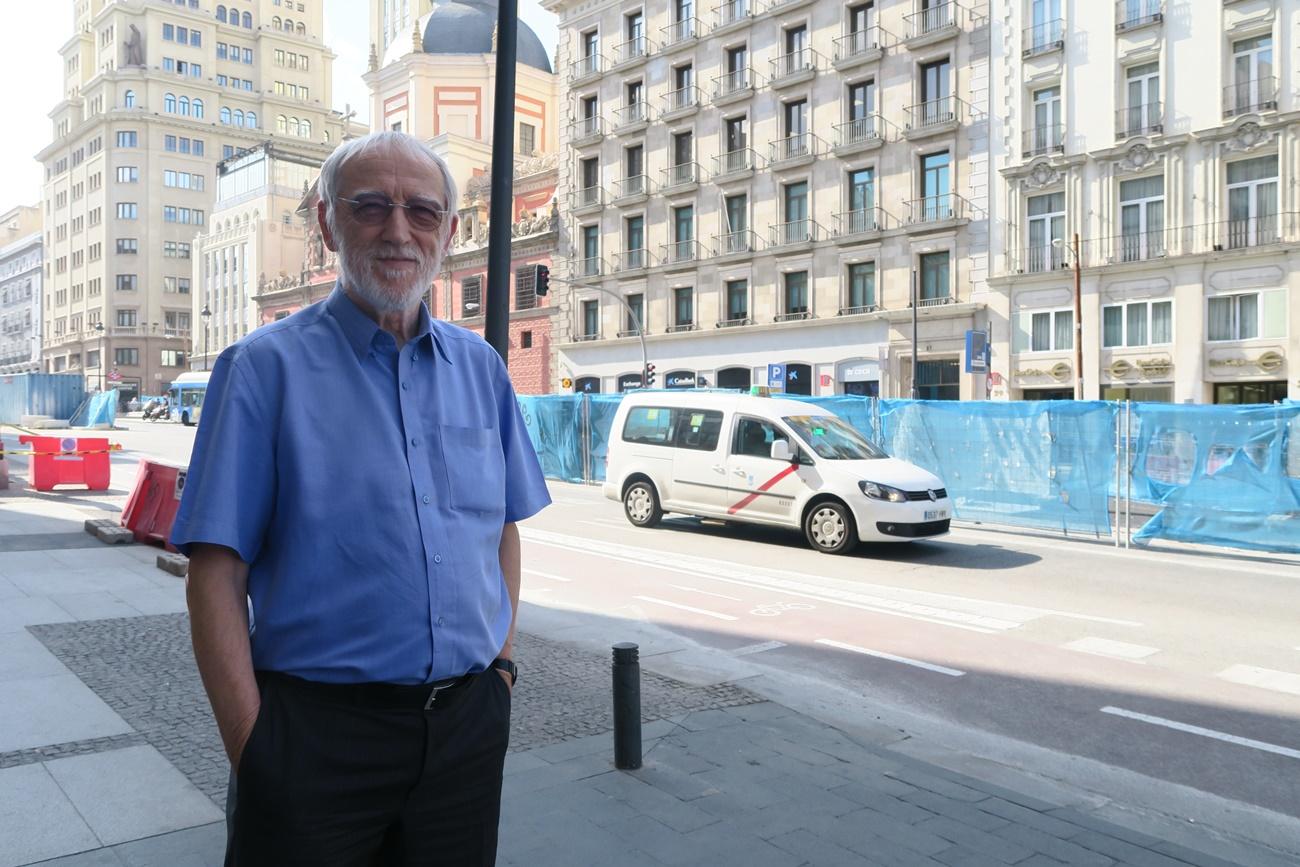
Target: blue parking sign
[776,377]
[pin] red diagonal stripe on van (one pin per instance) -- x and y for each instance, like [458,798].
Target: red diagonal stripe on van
[761,488]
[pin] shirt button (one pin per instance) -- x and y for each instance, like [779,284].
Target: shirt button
[415,356]
[406,386]
[427,500]
[441,621]
[437,558]
[415,441]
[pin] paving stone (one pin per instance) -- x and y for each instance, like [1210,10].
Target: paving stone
[174,564]
[1101,826]
[867,823]
[815,850]
[1200,859]
[113,535]
[1123,851]
[881,802]
[960,856]
[684,787]
[1061,850]
[939,785]
[664,844]
[962,811]
[1041,861]
[749,851]
[203,846]
[979,841]
[1025,816]
[94,858]
[37,821]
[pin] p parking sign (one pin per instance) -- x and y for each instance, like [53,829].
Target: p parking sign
[776,377]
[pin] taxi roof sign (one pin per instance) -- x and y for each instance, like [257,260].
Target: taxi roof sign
[760,391]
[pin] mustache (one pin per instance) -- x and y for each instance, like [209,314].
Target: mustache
[385,250]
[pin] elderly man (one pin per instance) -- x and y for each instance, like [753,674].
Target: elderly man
[359,474]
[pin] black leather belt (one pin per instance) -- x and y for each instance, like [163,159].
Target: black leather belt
[375,695]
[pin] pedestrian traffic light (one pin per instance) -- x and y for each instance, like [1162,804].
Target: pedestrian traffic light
[649,376]
[541,280]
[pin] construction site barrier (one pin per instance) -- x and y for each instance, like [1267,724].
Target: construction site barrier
[151,510]
[67,461]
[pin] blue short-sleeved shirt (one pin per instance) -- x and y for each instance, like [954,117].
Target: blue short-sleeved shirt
[367,488]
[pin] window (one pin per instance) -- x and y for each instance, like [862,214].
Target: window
[737,301]
[590,250]
[634,242]
[1142,111]
[861,280]
[126,319]
[1051,331]
[129,246]
[794,202]
[652,426]
[795,295]
[935,88]
[1138,323]
[221,51]
[862,201]
[1253,85]
[1046,225]
[591,319]
[862,105]
[590,43]
[126,283]
[683,233]
[938,380]
[221,14]
[127,138]
[527,139]
[795,124]
[224,115]
[525,340]
[1142,218]
[934,277]
[1252,202]
[936,187]
[1048,132]
[684,307]
[172,358]
[736,213]
[754,438]
[471,292]
[634,30]
[126,356]
[127,210]
[635,314]
[1237,317]
[128,174]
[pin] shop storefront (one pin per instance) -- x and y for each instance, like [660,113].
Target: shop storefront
[735,377]
[1272,391]
[859,377]
[629,381]
[680,379]
[587,385]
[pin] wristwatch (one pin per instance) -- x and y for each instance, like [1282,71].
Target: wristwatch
[509,667]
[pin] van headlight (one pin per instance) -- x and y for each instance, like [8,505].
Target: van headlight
[877,491]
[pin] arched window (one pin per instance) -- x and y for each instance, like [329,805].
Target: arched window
[185,105]
[293,126]
[129,99]
[198,108]
[251,120]
[221,14]
[288,25]
[248,20]
[225,115]
[275,22]
[239,118]
[302,29]
[304,129]
[169,103]
[282,125]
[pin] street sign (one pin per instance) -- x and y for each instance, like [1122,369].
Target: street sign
[114,376]
[977,352]
[776,377]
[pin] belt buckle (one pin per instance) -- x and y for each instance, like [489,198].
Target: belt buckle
[437,688]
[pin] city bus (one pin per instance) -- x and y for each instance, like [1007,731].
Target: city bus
[186,396]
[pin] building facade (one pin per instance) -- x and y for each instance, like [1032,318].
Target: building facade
[155,94]
[20,290]
[760,182]
[1167,142]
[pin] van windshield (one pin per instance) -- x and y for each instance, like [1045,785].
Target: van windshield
[833,439]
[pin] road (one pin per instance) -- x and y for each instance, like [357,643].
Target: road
[1180,665]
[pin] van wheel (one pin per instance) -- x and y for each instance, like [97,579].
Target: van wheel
[641,505]
[830,528]
[185,419]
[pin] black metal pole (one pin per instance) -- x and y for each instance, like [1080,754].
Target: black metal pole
[916,302]
[627,707]
[497,327]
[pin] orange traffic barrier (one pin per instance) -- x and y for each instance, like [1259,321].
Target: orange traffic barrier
[152,508]
[68,461]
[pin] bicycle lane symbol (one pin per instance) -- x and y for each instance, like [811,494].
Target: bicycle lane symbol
[774,609]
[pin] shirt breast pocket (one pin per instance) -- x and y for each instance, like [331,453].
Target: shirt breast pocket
[476,478]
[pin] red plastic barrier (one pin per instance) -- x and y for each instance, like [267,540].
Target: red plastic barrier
[64,461]
[152,508]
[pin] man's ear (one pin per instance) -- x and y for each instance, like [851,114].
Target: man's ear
[321,217]
[451,234]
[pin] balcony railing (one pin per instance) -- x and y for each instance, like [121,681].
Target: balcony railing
[633,49]
[679,252]
[734,243]
[1041,258]
[680,327]
[863,130]
[637,185]
[1130,14]
[631,260]
[592,266]
[630,331]
[1250,232]
[932,20]
[630,115]
[682,100]
[1252,95]
[733,83]
[937,300]
[732,12]
[795,232]
[735,162]
[1145,119]
[800,146]
[1042,38]
[734,322]
[585,67]
[937,209]
[795,315]
[863,221]
[680,31]
[681,175]
[1049,139]
[587,128]
[935,113]
[589,197]
[794,63]
[860,43]
[1141,246]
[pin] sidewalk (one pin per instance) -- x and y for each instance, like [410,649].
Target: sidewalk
[109,757]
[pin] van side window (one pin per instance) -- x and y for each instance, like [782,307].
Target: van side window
[754,438]
[649,425]
[697,429]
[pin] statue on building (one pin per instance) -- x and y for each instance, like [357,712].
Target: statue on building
[555,216]
[134,48]
[374,58]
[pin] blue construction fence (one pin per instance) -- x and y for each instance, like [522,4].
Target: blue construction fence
[1217,475]
[56,395]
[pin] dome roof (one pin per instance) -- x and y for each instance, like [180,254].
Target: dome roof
[466,27]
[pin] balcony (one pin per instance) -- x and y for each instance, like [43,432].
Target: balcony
[586,68]
[934,117]
[776,7]
[1041,259]
[1043,140]
[630,261]
[680,327]
[932,25]
[1146,119]
[732,15]
[587,131]
[677,254]
[680,34]
[856,310]
[631,118]
[862,134]
[938,300]
[1043,38]
[1134,14]
[681,103]
[631,52]
[587,201]
[735,322]
[795,233]
[735,165]
[795,67]
[796,150]
[742,242]
[931,212]
[793,316]
[630,332]
[1249,97]
[859,224]
[630,191]
[860,47]
[681,177]
[588,268]
[734,86]
[1246,232]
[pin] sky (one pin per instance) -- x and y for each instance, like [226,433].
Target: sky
[30,62]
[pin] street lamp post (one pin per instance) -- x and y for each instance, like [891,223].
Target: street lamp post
[99,329]
[1073,249]
[205,314]
[636,320]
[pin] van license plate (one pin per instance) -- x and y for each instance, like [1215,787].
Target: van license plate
[936,515]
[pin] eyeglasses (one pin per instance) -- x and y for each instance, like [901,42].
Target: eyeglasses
[374,210]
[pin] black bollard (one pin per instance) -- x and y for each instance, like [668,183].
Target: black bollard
[627,707]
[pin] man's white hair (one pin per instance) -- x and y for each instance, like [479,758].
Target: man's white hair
[392,141]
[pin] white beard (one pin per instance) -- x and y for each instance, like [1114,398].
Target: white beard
[380,287]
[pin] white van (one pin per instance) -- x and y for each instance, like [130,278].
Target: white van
[766,460]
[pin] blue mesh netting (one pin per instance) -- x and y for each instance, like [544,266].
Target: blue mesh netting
[554,424]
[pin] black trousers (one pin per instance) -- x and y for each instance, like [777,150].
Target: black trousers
[355,776]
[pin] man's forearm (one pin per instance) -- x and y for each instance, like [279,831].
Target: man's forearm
[511,569]
[217,591]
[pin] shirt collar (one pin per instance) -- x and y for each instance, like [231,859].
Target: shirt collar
[360,329]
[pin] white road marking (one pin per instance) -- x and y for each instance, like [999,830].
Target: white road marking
[705,592]
[1203,732]
[1114,649]
[775,609]
[749,649]
[880,654]
[547,575]
[681,607]
[1264,678]
[604,522]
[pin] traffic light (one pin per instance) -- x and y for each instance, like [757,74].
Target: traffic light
[649,376]
[541,280]
[566,383]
